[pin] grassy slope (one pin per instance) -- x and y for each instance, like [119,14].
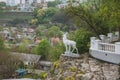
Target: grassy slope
[14,15]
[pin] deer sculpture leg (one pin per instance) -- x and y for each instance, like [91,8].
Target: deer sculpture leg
[74,48]
[66,48]
[69,48]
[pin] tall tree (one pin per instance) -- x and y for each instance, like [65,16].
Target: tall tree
[54,31]
[52,4]
[8,63]
[2,6]
[2,46]
[112,12]
[44,15]
[91,13]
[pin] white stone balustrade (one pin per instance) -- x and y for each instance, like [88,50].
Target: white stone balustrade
[117,33]
[104,44]
[117,47]
[97,42]
[92,39]
[107,47]
[116,36]
[103,38]
[110,37]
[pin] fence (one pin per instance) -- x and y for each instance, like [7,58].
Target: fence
[105,44]
[106,47]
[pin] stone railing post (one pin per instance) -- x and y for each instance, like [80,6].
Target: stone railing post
[117,35]
[103,38]
[110,35]
[92,42]
[96,47]
[117,47]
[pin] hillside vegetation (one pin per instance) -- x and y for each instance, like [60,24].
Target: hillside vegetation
[14,15]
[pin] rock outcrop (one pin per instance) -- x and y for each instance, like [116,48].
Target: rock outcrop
[83,68]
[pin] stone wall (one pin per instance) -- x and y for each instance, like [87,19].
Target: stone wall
[83,68]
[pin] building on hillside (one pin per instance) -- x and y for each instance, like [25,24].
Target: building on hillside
[5,34]
[34,1]
[28,59]
[61,5]
[30,5]
[11,3]
[40,3]
[25,6]
[64,3]
[33,60]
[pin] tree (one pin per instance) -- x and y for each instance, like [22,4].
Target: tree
[89,13]
[2,46]
[18,21]
[43,48]
[8,63]
[54,31]
[2,6]
[40,15]
[82,38]
[41,31]
[52,4]
[44,15]
[34,21]
[56,51]
[23,46]
[51,11]
[60,17]
[111,11]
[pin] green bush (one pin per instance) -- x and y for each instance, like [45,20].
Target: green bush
[23,46]
[2,46]
[42,75]
[83,40]
[71,35]
[54,31]
[33,50]
[43,48]
[55,52]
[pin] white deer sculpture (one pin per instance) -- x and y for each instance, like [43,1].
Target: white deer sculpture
[69,44]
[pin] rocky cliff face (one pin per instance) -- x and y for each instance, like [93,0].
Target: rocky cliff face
[83,68]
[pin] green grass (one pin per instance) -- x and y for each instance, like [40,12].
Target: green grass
[14,15]
[34,76]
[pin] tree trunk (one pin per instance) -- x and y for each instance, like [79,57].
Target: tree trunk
[95,31]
